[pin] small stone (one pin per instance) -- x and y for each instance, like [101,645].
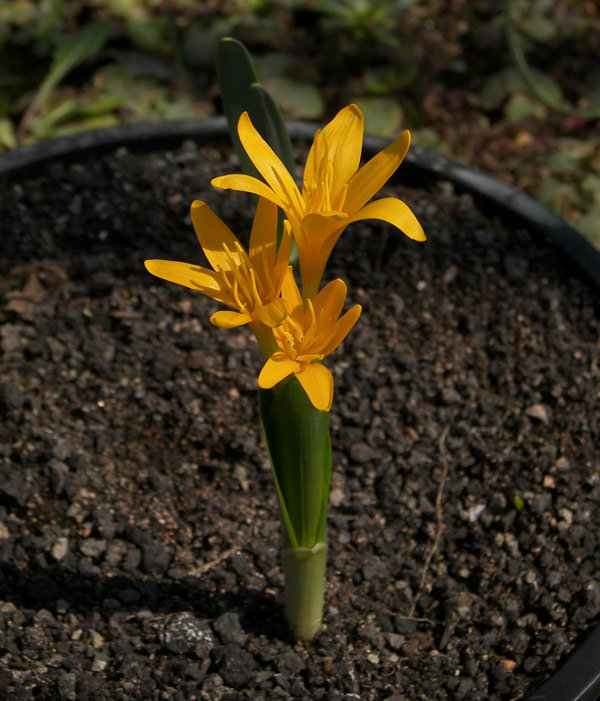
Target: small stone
[361,452]
[289,663]
[67,686]
[15,488]
[181,632]
[99,664]
[59,472]
[155,558]
[230,629]
[92,547]
[4,532]
[450,396]
[394,640]
[97,639]
[11,397]
[508,665]
[539,412]
[235,666]
[60,548]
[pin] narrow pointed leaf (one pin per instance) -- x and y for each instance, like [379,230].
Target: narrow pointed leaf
[299,445]
[267,118]
[235,73]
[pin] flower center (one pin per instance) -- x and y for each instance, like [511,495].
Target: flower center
[318,193]
[296,336]
[240,279]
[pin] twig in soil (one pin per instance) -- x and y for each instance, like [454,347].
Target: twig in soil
[440,524]
[213,563]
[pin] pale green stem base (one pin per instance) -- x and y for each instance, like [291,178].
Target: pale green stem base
[304,570]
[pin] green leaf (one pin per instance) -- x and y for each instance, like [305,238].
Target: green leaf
[72,51]
[555,194]
[589,226]
[519,503]
[8,137]
[236,73]
[299,446]
[540,28]
[298,99]
[146,33]
[591,186]
[383,115]
[521,106]
[18,12]
[267,118]
[498,87]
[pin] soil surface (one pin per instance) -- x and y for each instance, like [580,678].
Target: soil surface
[139,532]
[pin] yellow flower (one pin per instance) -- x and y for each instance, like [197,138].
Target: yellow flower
[250,282]
[311,331]
[335,192]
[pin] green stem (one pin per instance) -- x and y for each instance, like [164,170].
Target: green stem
[304,570]
[265,338]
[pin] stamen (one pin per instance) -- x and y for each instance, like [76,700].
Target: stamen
[257,299]
[236,297]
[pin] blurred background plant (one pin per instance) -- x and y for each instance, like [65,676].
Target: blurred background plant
[444,68]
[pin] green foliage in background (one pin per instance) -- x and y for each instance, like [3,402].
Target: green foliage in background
[404,63]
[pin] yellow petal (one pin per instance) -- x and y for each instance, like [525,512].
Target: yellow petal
[343,138]
[319,225]
[272,314]
[192,276]
[317,382]
[277,368]
[340,330]
[394,212]
[229,320]
[268,165]
[330,301]
[263,237]
[289,290]
[375,173]
[246,183]
[283,255]
[213,234]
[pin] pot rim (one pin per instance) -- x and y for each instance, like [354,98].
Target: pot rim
[419,163]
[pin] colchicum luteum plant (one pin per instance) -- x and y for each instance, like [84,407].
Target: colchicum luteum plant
[296,327]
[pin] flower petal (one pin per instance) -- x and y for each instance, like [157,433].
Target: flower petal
[268,165]
[230,320]
[339,331]
[317,382]
[315,246]
[330,301]
[375,173]
[272,314]
[213,235]
[394,212]
[319,225]
[263,237]
[277,368]
[192,276]
[342,138]
[283,254]
[246,183]
[289,290]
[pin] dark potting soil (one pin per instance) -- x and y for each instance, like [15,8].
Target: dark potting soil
[139,532]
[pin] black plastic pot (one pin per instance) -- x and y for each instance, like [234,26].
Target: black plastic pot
[579,678]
